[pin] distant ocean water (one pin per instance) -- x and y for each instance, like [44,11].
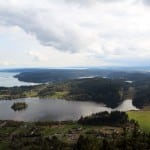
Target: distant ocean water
[7,79]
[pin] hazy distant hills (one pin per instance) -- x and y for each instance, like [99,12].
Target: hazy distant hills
[54,75]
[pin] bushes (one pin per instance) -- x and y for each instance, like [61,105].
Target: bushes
[87,143]
[105,118]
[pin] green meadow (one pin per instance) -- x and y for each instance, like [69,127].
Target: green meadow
[142,117]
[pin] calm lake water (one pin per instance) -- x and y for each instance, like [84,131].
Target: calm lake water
[7,80]
[53,109]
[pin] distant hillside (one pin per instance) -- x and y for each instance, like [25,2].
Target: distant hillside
[56,75]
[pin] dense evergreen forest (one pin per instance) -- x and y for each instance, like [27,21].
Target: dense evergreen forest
[142,96]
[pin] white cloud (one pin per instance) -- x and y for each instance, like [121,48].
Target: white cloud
[6,63]
[109,30]
[37,56]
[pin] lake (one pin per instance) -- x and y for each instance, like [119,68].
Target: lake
[49,109]
[54,109]
[7,80]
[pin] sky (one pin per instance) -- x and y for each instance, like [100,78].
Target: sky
[62,33]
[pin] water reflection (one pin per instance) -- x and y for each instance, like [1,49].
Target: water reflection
[126,106]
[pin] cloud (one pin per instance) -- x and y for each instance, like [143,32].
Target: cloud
[37,56]
[6,63]
[83,2]
[147,2]
[47,26]
[64,26]
[110,30]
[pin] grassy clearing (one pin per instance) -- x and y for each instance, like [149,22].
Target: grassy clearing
[142,117]
[31,93]
[59,95]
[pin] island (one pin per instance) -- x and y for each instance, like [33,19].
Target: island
[19,106]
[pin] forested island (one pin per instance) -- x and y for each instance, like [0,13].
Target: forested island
[19,106]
